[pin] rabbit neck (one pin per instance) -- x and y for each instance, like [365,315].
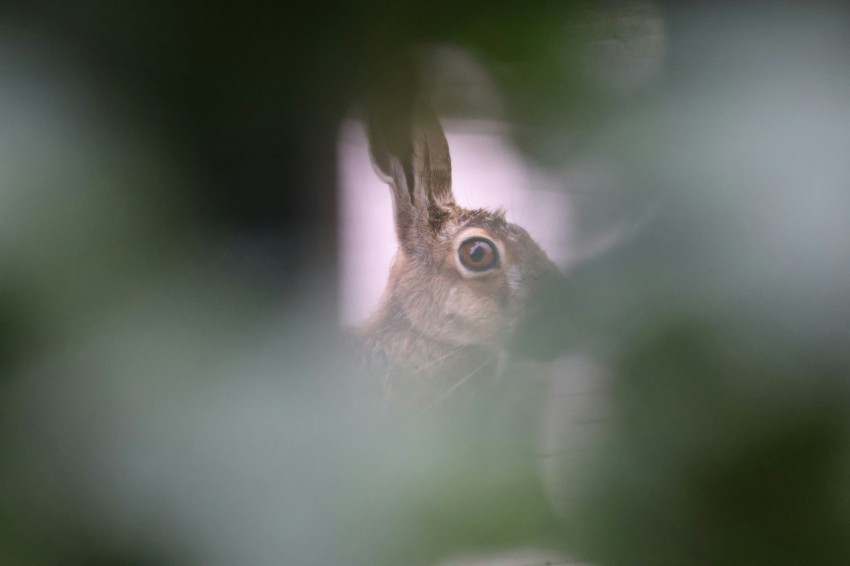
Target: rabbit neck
[418,372]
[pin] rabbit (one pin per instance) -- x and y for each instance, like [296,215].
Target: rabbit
[461,281]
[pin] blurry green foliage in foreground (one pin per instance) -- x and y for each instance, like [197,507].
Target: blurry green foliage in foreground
[171,390]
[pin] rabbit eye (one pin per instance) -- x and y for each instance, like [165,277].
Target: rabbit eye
[478,254]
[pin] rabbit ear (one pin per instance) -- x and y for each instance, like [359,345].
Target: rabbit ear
[410,152]
[432,165]
[391,148]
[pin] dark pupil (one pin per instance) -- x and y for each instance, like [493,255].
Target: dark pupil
[477,252]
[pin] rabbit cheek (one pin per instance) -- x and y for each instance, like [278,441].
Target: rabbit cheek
[472,312]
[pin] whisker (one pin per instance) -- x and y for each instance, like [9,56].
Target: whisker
[451,389]
[387,327]
[438,360]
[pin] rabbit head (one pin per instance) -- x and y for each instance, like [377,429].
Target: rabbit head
[461,276]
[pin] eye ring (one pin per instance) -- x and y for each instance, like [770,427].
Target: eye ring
[478,254]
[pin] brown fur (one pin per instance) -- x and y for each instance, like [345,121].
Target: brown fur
[438,324]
